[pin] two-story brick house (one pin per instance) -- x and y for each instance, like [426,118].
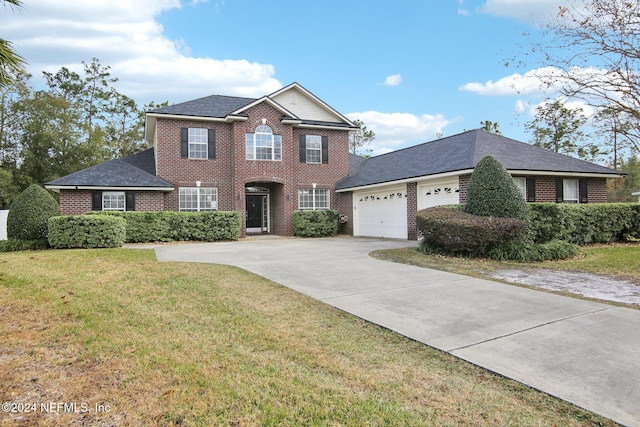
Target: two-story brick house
[289,150]
[265,157]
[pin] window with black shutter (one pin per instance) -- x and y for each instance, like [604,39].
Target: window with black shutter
[559,190]
[130,204]
[531,189]
[584,196]
[96,201]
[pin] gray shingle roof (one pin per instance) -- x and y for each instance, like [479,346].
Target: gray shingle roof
[144,160]
[132,171]
[210,106]
[462,152]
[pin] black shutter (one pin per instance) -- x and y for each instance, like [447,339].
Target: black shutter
[211,140]
[584,196]
[559,190]
[303,148]
[130,204]
[96,200]
[184,143]
[325,149]
[531,189]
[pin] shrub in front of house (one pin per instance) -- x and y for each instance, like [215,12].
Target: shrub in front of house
[492,192]
[315,223]
[455,232]
[13,245]
[29,214]
[86,231]
[584,223]
[167,226]
[528,251]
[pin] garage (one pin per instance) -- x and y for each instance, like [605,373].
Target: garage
[438,193]
[381,213]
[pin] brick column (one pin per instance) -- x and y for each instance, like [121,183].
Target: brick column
[412,209]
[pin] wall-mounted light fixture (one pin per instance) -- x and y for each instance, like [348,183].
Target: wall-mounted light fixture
[239,196]
[198,183]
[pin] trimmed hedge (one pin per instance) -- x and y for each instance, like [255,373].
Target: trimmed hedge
[14,245]
[84,231]
[318,223]
[29,214]
[453,231]
[584,223]
[492,192]
[168,226]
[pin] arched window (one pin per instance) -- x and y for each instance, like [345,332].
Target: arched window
[263,144]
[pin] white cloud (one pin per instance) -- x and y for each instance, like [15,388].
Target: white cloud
[126,36]
[393,80]
[530,83]
[398,130]
[533,11]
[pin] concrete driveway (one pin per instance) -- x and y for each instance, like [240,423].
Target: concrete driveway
[584,352]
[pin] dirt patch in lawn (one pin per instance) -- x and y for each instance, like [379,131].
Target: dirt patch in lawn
[586,284]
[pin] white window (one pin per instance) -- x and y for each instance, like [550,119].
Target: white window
[313,199]
[571,191]
[314,148]
[113,201]
[197,143]
[195,199]
[263,145]
[521,182]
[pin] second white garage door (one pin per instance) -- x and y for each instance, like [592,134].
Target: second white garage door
[381,213]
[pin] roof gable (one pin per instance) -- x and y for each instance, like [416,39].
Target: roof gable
[306,106]
[462,152]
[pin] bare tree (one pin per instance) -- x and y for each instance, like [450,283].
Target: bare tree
[358,139]
[594,55]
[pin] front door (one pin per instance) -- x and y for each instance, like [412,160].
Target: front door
[256,213]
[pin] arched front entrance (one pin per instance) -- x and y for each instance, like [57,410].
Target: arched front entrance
[258,209]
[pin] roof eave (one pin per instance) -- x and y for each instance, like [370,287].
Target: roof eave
[268,100]
[468,171]
[613,174]
[57,188]
[228,118]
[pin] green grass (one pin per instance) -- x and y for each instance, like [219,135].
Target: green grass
[201,345]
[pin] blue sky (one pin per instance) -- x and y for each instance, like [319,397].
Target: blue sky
[408,68]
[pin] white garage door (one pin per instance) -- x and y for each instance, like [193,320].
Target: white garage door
[437,193]
[381,213]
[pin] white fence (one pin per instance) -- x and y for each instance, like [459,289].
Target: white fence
[3,225]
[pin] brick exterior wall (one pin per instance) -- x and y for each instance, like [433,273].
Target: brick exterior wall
[412,209]
[546,189]
[463,185]
[149,201]
[78,202]
[345,206]
[231,173]
[74,202]
[597,190]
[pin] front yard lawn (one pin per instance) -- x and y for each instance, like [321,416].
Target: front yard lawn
[145,343]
